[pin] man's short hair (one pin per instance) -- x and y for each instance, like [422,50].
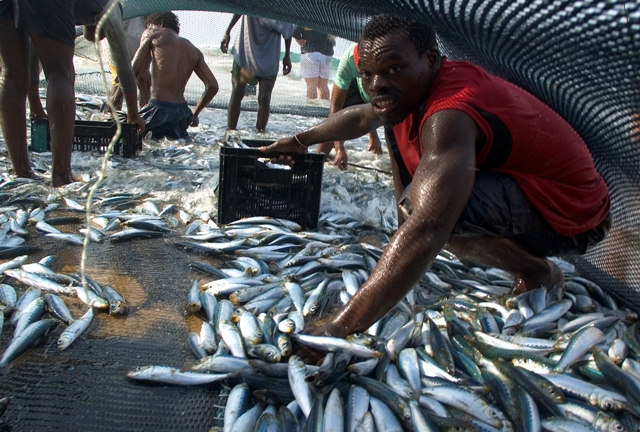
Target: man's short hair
[422,36]
[164,19]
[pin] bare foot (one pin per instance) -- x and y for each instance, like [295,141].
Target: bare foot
[62,180]
[30,175]
[551,279]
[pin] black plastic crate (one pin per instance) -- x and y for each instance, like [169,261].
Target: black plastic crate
[249,188]
[89,136]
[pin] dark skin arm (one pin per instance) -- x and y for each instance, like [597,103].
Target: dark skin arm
[224,45]
[141,63]
[397,182]
[286,61]
[440,190]
[144,85]
[142,57]
[210,88]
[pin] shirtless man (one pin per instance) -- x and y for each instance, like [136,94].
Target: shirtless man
[172,59]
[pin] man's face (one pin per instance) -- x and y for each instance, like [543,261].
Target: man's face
[395,76]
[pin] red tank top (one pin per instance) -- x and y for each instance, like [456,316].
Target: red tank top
[526,140]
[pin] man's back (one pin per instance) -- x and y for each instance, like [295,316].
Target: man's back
[174,58]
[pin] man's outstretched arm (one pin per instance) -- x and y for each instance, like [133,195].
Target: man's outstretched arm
[440,190]
[350,123]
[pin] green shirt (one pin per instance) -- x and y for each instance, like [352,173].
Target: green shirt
[347,70]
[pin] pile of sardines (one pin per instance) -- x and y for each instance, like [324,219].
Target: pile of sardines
[457,354]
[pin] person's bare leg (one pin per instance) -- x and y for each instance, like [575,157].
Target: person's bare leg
[235,102]
[265,87]
[33,94]
[508,255]
[312,86]
[14,83]
[57,62]
[323,88]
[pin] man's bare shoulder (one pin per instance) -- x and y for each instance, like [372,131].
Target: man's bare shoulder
[189,47]
[187,43]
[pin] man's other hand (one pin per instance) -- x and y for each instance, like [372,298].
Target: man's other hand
[195,121]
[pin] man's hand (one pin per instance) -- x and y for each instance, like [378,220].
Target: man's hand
[341,159]
[135,118]
[224,45]
[195,121]
[301,42]
[324,327]
[286,65]
[286,146]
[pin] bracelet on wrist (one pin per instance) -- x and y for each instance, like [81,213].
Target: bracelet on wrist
[299,142]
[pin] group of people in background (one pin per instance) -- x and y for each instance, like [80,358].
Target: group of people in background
[37,36]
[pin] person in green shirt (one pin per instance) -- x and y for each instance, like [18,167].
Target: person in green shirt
[347,91]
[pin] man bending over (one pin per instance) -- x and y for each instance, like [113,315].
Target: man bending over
[498,178]
[172,59]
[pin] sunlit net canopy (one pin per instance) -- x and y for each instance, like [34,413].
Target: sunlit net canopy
[580,57]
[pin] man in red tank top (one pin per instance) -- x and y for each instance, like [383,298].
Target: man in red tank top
[490,172]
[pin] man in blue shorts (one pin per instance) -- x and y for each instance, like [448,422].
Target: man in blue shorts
[174,59]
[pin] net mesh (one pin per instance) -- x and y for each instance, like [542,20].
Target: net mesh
[580,57]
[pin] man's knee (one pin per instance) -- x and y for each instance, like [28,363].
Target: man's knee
[264,98]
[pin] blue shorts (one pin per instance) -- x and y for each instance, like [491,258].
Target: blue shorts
[166,119]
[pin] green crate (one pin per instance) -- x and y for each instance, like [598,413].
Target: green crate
[89,136]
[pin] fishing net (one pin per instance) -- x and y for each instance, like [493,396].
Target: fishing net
[580,57]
